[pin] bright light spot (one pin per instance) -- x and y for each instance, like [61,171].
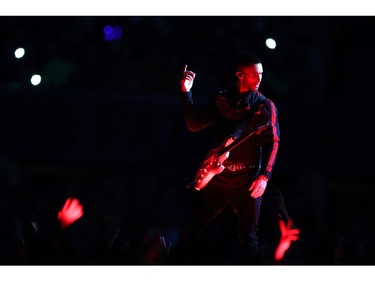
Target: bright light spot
[36,79]
[109,37]
[117,32]
[270,43]
[19,53]
[112,33]
[108,29]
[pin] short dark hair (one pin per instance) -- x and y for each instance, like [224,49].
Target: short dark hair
[246,59]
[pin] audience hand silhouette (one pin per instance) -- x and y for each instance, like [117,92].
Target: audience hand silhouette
[287,236]
[70,212]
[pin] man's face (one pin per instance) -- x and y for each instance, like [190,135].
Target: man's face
[250,77]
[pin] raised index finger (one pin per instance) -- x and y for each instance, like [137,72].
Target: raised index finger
[185,68]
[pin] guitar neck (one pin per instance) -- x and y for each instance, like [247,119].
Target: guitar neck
[242,139]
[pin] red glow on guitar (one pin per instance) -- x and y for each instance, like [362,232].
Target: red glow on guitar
[212,166]
[213,163]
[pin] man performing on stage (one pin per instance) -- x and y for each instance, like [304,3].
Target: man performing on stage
[237,168]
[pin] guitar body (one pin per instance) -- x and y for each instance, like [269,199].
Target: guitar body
[211,166]
[213,163]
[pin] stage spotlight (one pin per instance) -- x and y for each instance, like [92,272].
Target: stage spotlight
[19,53]
[112,33]
[270,43]
[36,79]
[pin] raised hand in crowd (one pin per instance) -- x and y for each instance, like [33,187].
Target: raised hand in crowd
[288,234]
[70,212]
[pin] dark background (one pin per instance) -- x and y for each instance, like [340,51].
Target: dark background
[106,126]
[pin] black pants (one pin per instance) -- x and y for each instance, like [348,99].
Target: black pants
[227,189]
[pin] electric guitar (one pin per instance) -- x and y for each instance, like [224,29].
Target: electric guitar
[213,163]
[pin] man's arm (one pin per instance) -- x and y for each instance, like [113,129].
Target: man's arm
[196,119]
[270,139]
[270,147]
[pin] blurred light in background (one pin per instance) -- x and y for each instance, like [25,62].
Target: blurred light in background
[19,53]
[112,33]
[36,79]
[270,43]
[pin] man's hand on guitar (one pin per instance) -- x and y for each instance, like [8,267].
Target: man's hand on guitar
[187,80]
[259,186]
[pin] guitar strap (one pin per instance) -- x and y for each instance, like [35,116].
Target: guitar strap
[242,125]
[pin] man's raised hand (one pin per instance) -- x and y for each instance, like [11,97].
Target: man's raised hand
[187,80]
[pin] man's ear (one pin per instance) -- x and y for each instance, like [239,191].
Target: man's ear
[239,74]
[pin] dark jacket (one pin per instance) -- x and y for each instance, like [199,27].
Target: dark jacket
[235,114]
